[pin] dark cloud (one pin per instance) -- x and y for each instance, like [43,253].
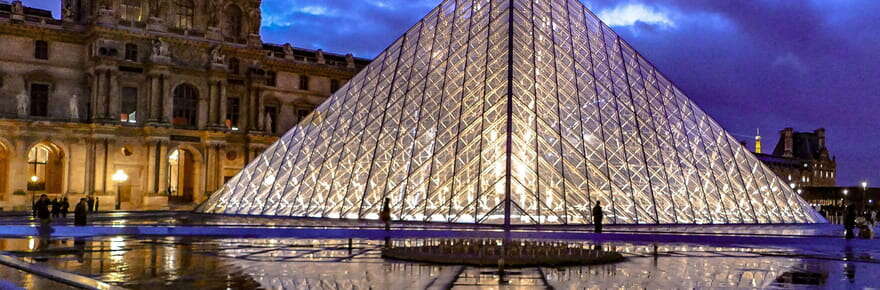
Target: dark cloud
[765,64]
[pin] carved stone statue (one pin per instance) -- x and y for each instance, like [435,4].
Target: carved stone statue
[211,7]
[256,20]
[17,8]
[349,59]
[217,57]
[22,102]
[320,56]
[67,12]
[288,51]
[73,107]
[268,121]
[160,49]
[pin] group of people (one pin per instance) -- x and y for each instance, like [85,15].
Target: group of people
[46,209]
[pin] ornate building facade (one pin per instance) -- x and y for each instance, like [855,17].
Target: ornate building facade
[175,95]
[801,159]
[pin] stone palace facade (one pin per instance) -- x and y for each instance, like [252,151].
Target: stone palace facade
[175,95]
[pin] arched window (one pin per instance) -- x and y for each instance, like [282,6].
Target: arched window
[131,10]
[185,14]
[186,105]
[233,21]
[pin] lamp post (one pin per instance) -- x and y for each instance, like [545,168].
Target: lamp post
[864,194]
[33,189]
[119,177]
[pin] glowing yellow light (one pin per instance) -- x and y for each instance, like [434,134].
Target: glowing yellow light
[120,176]
[35,178]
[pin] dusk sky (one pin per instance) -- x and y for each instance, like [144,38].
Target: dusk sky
[765,64]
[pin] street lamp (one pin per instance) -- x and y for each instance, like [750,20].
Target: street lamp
[119,177]
[864,194]
[33,188]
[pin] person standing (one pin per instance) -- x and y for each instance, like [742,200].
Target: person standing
[65,207]
[91,203]
[385,215]
[597,217]
[849,222]
[97,202]
[42,208]
[56,208]
[81,212]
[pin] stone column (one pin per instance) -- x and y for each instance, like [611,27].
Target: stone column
[223,101]
[155,98]
[114,98]
[213,100]
[202,118]
[167,100]
[163,165]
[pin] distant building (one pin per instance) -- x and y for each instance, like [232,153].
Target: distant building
[801,158]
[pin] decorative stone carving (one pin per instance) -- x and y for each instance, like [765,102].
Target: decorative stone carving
[17,7]
[211,8]
[67,12]
[217,56]
[320,56]
[161,52]
[22,101]
[268,126]
[73,107]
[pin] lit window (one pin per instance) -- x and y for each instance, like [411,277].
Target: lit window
[186,105]
[131,10]
[129,105]
[185,14]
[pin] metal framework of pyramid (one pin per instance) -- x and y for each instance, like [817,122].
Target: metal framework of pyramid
[511,112]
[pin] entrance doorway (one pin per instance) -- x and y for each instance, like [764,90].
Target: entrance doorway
[46,168]
[181,175]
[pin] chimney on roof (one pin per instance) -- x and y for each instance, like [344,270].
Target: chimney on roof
[758,142]
[820,133]
[787,136]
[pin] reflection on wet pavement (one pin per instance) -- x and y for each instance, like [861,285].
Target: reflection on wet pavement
[11,278]
[202,263]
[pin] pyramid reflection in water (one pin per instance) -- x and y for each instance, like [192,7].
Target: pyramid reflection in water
[511,111]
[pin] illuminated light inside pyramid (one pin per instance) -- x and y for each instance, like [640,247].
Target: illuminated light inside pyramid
[511,112]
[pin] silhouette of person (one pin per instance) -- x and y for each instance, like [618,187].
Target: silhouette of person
[65,207]
[385,215]
[849,222]
[91,202]
[597,217]
[42,208]
[81,213]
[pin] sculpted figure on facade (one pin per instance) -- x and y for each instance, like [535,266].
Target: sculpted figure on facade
[67,12]
[17,8]
[211,7]
[73,107]
[160,49]
[217,56]
[320,56]
[22,102]
[288,51]
[268,121]
[255,21]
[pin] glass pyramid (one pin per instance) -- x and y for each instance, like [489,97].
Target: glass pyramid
[511,112]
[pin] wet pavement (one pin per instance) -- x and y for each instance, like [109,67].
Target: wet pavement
[204,263]
[816,259]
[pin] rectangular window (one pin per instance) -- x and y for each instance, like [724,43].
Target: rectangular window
[233,105]
[334,86]
[129,105]
[131,52]
[304,83]
[301,114]
[39,100]
[41,49]
[271,78]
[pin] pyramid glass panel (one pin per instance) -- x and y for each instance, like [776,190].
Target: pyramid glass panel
[511,112]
